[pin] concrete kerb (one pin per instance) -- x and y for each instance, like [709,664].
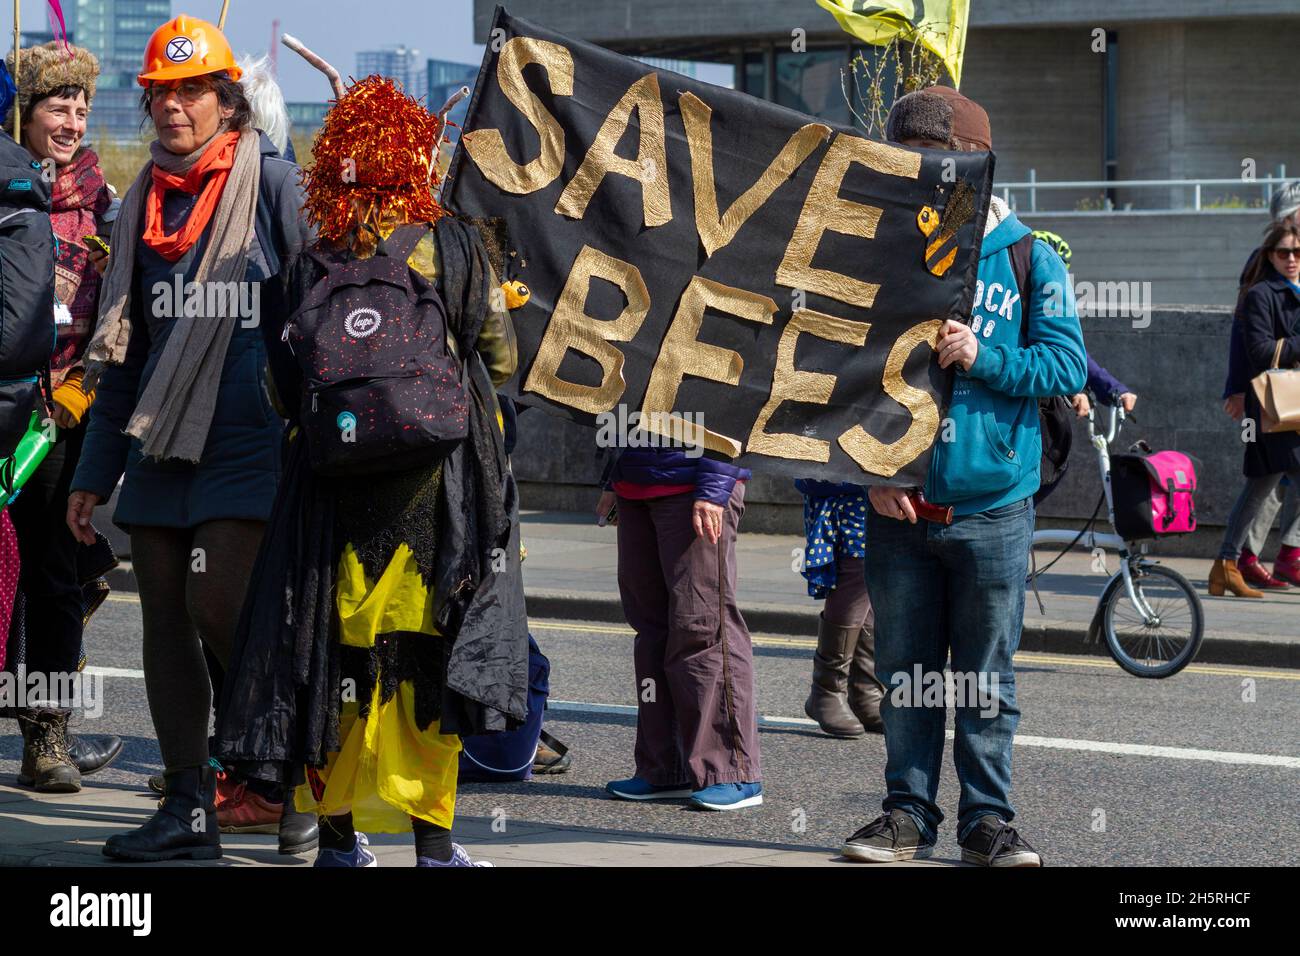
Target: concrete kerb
[1044,637]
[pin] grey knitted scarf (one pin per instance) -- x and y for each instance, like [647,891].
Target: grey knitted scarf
[174,414]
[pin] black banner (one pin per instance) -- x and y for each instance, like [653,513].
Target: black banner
[773,281]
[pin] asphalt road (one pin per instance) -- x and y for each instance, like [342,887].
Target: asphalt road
[1109,769]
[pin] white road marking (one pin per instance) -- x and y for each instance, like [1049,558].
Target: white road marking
[1022,740]
[1148,750]
[113,672]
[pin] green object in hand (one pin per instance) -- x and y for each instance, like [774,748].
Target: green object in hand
[31,451]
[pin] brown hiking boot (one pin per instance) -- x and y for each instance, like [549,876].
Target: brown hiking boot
[828,701]
[1226,576]
[47,764]
[865,692]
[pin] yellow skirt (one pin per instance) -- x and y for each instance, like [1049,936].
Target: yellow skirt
[387,770]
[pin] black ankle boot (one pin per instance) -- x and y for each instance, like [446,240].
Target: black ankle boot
[185,824]
[299,832]
[93,753]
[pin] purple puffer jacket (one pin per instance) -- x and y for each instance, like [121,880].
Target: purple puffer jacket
[713,480]
[1105,386]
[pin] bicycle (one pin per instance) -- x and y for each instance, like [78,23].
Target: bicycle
[1150,614]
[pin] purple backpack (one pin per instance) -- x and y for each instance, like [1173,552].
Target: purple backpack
[382,389]
[1153,493]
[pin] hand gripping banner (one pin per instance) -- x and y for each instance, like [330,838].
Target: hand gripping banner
[734,274]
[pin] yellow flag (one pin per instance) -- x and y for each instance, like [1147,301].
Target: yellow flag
[939,25]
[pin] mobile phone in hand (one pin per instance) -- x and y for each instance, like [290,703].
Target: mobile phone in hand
[610,518]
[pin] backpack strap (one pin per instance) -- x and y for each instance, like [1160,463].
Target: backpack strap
[18,212]
[1022,258]
[401,242]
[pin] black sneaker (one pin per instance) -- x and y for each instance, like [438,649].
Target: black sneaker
[889,838]
[994,842]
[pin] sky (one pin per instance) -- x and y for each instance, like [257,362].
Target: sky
[335,29]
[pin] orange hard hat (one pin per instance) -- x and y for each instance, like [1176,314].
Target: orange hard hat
[186,46]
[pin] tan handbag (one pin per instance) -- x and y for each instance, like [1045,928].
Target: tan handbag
[1278,392]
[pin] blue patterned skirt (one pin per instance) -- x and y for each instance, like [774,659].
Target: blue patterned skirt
[834,525]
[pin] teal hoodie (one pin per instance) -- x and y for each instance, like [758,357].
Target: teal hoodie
[993,453]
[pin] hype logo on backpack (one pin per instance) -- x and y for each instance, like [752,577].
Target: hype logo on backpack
[382,389]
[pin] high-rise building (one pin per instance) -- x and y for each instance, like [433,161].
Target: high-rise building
[443,78]
[117,31]
[400,64]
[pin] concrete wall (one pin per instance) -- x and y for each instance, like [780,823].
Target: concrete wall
[1194,103]
[1176,365]
[1187,257]
[1031,130]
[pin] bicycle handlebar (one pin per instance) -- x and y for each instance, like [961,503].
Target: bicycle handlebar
[1114,421]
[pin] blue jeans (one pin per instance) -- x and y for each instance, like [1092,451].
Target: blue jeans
[936,589]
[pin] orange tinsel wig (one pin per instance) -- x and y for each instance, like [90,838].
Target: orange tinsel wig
[378,146]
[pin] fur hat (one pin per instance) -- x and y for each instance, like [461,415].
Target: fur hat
[942,114]
[49,67]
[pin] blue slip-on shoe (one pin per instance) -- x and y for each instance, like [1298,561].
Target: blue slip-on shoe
[728,796]
[358,857]
[638,789]
[459,857]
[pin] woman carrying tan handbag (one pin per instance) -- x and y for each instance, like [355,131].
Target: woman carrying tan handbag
[1270,317]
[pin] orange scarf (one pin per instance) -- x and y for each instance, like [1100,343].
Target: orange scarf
[217,159]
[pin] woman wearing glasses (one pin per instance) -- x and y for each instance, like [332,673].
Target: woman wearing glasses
[1269,312]
[182,411]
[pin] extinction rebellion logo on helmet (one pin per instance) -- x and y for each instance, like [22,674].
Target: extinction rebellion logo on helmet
[180,49]
[362,322]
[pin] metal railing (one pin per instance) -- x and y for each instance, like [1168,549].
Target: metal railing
[1033,185]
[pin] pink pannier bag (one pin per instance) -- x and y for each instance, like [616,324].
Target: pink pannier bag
[1153,493]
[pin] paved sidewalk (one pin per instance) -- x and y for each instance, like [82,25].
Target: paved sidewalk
[571,573]
[70,829]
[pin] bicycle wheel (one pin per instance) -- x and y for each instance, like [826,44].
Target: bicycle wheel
[1168,643]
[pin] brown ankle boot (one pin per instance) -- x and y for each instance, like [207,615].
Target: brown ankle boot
[47,765]
[1226,576]
[828,702]
[865,692]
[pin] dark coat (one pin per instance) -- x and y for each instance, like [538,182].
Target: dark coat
[237,474]
[1271,312]
[281,696]
[1238,379]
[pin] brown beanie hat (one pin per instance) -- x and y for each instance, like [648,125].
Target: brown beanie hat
[939,113]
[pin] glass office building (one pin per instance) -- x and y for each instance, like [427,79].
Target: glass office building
[117,31]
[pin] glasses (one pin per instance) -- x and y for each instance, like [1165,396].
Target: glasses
[1292,252]
[188,91]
